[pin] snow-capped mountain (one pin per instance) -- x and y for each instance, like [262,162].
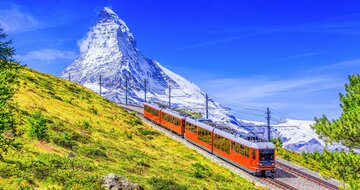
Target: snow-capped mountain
[109,49]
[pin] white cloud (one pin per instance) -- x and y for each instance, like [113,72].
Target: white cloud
[84,43]
[235,89]
[355,63]
[13,19]
[304,97]
[46,55]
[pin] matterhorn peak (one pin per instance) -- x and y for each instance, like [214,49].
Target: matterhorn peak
[107,14]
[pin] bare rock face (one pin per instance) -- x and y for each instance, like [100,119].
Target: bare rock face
[114,182]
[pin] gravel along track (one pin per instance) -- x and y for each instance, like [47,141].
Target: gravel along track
[284,178]
[278,184]
[307,176]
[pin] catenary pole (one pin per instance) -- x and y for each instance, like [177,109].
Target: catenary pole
[169,96]
[207,106]
[268,123]
[145,89]
[100,85]
[126,90]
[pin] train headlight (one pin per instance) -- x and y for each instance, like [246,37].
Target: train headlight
[260,164]
[273,164]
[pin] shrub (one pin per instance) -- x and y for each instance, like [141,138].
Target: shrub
[86,124]
[201,171]
[148,132]
[93,110]
[128,135]
[38,126]
[286,157]
[165,184]
[64,140]
[134,120]
[95,153]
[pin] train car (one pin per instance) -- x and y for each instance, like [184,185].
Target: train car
[199,134]
[253,155]
[172,121]
[152,112]
[248,152]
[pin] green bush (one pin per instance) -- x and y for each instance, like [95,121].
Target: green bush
[201,171]
[128,135]
[95,153]
[93,110]
[148,132]
[134,120]
[86,124]
[65,140]
[38,128]
[166,184]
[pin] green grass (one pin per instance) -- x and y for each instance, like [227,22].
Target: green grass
[104,139]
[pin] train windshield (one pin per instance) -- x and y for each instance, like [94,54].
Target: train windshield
[266,155]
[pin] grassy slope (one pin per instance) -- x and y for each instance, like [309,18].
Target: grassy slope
[104,139]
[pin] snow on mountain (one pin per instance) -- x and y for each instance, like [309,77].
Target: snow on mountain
[296,135]
[109,49]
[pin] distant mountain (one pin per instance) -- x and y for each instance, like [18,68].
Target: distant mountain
[109,49]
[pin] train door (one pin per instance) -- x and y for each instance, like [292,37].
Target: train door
[253,157]
[182,124]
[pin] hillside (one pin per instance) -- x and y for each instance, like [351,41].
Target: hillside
[103,139]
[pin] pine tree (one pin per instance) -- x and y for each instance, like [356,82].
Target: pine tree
[8,75]
[346,129]
[6,50]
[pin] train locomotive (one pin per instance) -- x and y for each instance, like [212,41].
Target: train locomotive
[250,153]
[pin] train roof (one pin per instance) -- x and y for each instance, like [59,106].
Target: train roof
[153,105]
[173,113]
[176,113]
[199,123]
[232,134]
[253,144]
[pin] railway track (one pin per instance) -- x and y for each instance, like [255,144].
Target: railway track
[302,174]
[278,184]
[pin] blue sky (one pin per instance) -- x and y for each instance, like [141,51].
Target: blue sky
[291,56]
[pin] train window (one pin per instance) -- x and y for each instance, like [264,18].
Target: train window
[204,135]
[221,143]
[216,141]
[191,127]
[152,111]
[253,155]
[227,145]
[247,151]
[237,148]
[242,150]
[266,155]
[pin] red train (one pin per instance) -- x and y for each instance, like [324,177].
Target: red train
[250,153]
